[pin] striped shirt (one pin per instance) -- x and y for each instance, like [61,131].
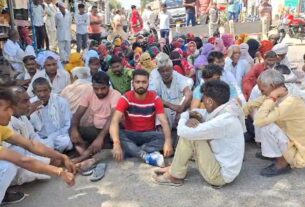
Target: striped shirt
[140,115]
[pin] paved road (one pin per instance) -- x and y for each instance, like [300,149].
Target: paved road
[128,184]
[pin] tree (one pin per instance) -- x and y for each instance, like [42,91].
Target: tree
[144,2]
[115,4]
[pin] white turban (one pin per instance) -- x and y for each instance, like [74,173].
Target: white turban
[61,4]
[280,49]
[81,72]
[42,57]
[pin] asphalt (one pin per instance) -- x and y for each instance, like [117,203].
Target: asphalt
[128,184]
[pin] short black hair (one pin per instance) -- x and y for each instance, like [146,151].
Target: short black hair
[6,95]
[101,78]
[81,6]
[93,60]
[27,58]
[270,54]
[40,81]
[133,7]
[215,55]
[164,5]
[210,70]
[115,59]
[217,90]
[140,72]
[283,69]
[94,7]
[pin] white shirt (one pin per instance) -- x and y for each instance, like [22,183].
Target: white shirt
[82,22]
[229,78]
[225,132]
[61,80]
[14,54]
[164,20]
[50,17]
[149,19]
[63,24]
[38,14]
[239,70]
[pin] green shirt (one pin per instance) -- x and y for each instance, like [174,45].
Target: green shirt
[121,83]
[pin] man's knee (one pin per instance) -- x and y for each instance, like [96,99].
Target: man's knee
[8,170]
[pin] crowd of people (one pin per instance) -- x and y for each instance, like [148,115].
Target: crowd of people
[133,93]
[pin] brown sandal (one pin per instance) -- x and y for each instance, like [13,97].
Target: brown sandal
[166,179]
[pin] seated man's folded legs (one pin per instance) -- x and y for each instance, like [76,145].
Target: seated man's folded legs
[274,141]
[207,164]
[137,144]
[8,172]
[183,154]
[61,142]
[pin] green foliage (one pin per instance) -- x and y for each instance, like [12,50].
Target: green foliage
[144,2]
[115,4]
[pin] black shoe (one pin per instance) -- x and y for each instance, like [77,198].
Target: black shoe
[272,170]
[13,197]
[260,156]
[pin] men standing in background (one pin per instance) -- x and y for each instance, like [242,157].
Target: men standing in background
[203,10]
[190,8]
[95,28]
[49,20]
[63,21]
[265,14]
[38,15]
[164,19]
[82,22]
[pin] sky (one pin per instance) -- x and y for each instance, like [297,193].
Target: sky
[127,3]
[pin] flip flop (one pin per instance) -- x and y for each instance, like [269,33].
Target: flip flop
[165,180]
[98,172]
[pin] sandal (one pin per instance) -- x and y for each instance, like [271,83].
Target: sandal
[166,179]
[98,172]
[88,171]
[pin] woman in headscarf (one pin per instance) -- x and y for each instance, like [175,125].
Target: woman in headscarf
[202,60]
[244,55]
[74,61]
[228,40]
[192,52]
[253,48]
[146,62]
[219,46]
[136,21]
[181,65]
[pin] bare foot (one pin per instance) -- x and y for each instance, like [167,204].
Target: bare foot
[161,171]
[85,165]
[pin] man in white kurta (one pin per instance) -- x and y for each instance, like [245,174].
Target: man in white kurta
[13,53]
[53,119]
[49,19]
[21,125]
[63,21]
[58,78]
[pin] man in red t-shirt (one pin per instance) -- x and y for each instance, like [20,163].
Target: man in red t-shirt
[249,81]
[140,108]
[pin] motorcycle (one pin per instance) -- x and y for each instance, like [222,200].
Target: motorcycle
[294,27]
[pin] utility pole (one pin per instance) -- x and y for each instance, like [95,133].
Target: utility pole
[107,12]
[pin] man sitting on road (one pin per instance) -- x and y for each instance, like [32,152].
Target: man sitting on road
[173,88]
[120,77]
[140,107]
[10,160]
[281,117]
[57,78]
[219,153]
[249,81]
[90,135]
[53,119]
